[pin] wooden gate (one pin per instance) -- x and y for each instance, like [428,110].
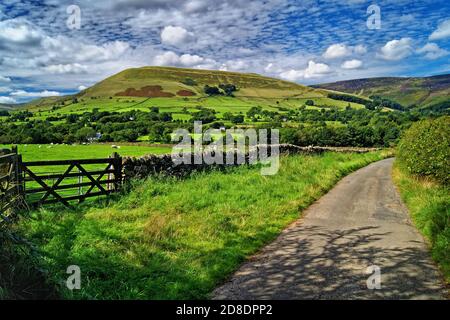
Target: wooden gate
[64,183]
[10,186]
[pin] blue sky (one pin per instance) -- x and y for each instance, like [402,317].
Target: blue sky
[306,41]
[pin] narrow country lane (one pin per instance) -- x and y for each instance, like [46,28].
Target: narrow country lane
[362,222]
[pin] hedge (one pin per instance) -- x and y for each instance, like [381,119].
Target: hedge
[425,149]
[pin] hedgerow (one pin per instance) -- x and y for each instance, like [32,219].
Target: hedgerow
[425,149]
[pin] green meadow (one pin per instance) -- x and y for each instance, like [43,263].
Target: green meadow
[34,152]
[178,239]
[179,106]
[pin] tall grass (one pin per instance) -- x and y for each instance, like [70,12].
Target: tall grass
[178,239]
[429,206]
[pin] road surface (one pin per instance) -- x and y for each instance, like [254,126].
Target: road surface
[360,223]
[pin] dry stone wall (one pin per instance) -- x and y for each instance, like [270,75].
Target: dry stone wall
[152,165]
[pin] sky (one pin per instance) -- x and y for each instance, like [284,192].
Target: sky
[57,47]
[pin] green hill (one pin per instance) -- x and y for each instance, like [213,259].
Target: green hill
[173,80]
[174,89]
[421,92]
[6,106]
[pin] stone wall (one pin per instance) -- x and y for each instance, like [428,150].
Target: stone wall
[152,165]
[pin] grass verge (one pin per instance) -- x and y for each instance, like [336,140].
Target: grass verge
[429,205]
[178,239]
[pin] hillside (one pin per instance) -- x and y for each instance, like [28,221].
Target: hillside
[422,92]
[6,106]
[174,80]
[174,89]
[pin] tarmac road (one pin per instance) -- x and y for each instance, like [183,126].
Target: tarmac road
[360,223]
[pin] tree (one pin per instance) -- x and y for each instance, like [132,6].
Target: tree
[228,89]
[309,102]
[85,133]
[189,82]
[254,111]
[212,91]
[236,119]
[204,115]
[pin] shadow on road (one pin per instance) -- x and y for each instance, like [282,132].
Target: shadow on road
[326,264]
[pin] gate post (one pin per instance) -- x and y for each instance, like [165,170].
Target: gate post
[18,178]
[117,164]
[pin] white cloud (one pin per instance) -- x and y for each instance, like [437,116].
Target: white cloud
[292,75]
[4,89]
[170,58]
[432,51]
[7,100]
[45,93]
[316,69]
[21,40]
[72,68]
[269,68]
[442,32]
[195,6]
[352,64]
[19,32]
[360,49]
[176,36]
[235,65]
[81,88]
[5,79]
[312,71]
[29,52]
[94,53]
[395,50]
[338,50]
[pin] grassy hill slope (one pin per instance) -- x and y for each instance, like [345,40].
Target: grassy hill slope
[173,89]
[421,92]
[173,80]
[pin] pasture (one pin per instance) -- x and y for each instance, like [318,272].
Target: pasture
[178,239]
[179,106]
[33,152]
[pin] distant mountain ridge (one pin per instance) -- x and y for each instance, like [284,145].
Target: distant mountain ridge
[4,106]
[409,92]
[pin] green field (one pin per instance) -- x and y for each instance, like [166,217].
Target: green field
[178,106]
[93,151]
[172,239]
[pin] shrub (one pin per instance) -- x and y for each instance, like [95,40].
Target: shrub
[189,82]
[424,149]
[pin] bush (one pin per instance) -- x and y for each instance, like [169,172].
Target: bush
[424,149]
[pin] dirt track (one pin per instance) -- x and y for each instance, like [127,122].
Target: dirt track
[360,223]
